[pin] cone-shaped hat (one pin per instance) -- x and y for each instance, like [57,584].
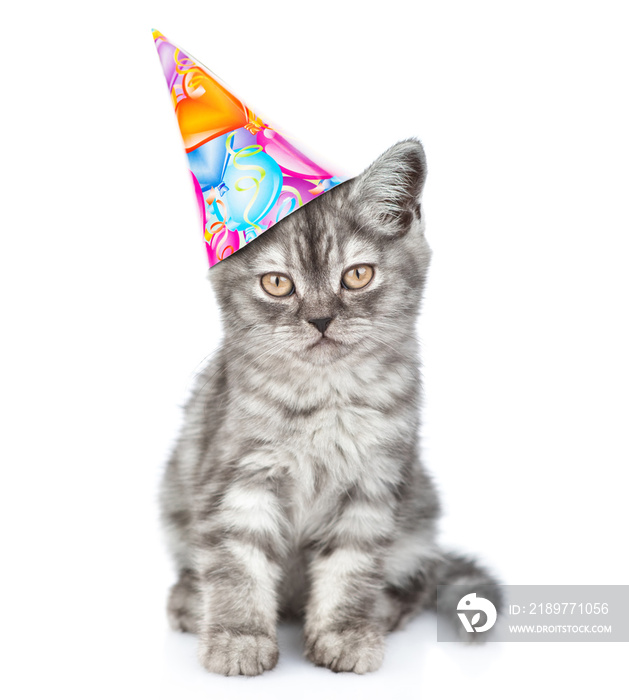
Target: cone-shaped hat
[246,174]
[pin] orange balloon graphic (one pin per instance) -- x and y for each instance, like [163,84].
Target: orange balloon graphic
[208,110]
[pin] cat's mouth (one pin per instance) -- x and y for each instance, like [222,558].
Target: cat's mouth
[324,350]
[323,341]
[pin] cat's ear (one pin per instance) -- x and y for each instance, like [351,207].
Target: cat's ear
[388,193]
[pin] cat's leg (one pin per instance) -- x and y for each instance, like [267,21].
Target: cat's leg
[240,538]
[343,630]
[182,607]
[183,603]
[410,570]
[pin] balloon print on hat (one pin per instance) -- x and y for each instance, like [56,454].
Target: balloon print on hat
[208,160]
[221,245]
[292,161]
[200,201]
[208,109]
[253,181]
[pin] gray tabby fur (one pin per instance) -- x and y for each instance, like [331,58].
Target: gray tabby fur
[296,486]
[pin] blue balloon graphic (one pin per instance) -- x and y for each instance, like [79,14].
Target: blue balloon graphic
[254,182]
[208,161]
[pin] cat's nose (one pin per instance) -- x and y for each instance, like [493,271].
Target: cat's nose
[320,323]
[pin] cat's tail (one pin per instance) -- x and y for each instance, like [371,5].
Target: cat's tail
[441,585]
[456,576]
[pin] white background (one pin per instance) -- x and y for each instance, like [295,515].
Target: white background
[106,316]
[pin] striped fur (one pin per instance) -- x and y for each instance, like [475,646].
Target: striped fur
[296,486]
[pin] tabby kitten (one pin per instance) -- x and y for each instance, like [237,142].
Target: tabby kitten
[296,486]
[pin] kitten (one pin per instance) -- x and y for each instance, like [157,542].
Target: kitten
[296,487]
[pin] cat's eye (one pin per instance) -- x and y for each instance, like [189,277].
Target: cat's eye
[357,277]
[277,285]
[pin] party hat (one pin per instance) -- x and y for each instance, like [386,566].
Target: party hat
[247,176]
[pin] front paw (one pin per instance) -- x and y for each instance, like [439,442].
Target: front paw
[233,653]
[359,650]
